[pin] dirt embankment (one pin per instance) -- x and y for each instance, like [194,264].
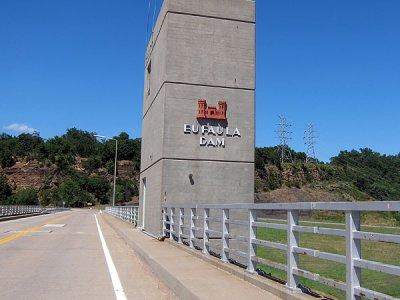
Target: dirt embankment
[31,174]
[36,174]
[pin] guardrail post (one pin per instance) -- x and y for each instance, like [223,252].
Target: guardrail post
[192,227]
[135,215]
[353,251]
[206,235]
[171,221]
[180,224]
[225,235]
[293,241]
[164,221]
[251,265]
[131,215]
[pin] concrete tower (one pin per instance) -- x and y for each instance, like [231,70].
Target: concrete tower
[198,108]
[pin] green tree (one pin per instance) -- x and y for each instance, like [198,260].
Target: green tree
[29,145]
[71,193]
[99,187]
[81,142]
[5,190]
[25,196]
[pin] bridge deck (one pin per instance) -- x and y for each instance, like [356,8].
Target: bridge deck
[68,262]
[61,256]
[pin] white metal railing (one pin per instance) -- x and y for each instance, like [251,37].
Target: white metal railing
[15,210]
[210,228]
[126,213]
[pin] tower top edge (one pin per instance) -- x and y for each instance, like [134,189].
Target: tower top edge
[233,10]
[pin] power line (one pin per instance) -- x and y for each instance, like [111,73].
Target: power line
[310,141]
[284,136]
[154,16]
[148,22]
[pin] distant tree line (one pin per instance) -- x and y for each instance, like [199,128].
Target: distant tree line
[86,165]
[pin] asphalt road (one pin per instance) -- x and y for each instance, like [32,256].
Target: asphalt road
[61,256]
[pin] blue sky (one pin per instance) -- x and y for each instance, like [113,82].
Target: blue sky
[335,63]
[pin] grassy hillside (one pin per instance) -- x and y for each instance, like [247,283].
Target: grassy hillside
[355,175]
[78,169]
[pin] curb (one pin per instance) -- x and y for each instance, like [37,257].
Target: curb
[9,218]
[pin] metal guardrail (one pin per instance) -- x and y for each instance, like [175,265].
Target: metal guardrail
[210,226]
[126,213]
[16,210]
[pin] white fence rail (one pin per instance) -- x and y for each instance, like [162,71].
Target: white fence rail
[16,210]
[210,228]
[126,213]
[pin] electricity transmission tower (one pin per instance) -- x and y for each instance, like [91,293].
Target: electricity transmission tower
[310,140]
[284,135]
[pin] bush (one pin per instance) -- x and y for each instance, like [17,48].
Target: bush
[124,191]
[63,162]
[396,216]
[92,164]
[49,197]
[6,159]
[26,196]
[110,165]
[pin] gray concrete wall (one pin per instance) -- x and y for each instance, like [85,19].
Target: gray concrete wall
[200,49]
[154,197]
[182,109]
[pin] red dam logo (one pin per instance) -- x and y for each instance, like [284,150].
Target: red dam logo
[211,112]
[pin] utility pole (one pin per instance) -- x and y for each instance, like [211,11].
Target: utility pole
[309,141]
[115,162]
[284,136]
[115,170]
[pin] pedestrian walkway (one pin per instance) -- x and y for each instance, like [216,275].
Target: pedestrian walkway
[187,275]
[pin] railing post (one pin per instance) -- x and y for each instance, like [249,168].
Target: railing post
[192,227]
[135,215]
[251,265]
[293,241]
[180,224]
[171,221]
[164,221]
[206,235]
[225,235]
[353,251]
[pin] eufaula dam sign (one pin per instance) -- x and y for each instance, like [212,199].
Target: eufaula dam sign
[198,107]
[211,135]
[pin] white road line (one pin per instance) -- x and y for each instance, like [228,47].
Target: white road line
[118,289]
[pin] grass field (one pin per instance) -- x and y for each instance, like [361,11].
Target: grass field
[376,251]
